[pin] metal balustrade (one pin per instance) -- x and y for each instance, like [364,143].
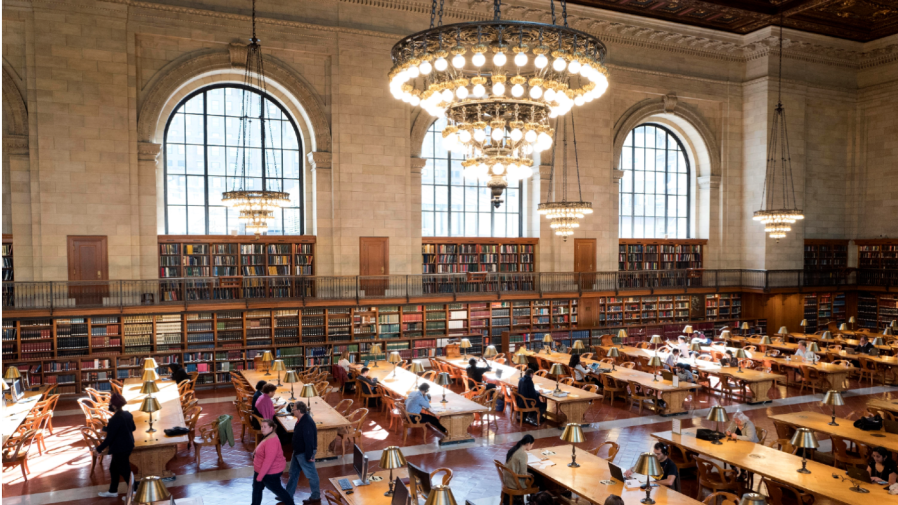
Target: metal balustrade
[203,290]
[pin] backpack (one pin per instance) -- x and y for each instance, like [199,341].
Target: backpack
[869,424]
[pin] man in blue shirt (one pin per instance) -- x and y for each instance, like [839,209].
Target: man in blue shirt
[419,400]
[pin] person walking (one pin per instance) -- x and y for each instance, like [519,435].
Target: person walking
[120,442]
[305,445]
[268,465]
[256,395]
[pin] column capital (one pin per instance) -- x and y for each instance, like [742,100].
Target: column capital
[16,145]
[709,182]
[320,160]
[148,151]
[545,172]
[417,164]
[617,175]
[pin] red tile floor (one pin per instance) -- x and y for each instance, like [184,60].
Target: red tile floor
[65,465]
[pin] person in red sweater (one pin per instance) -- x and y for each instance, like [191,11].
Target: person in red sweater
[264,404]
[268,465]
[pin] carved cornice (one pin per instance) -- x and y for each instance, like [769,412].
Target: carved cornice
[15,145]
[417,164]
[320,160]
[545,172]
[708,181]
[148,151]
[617,175]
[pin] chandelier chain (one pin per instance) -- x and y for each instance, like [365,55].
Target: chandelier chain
[564,11]
[552,4]
[779,97]
[433,12]
[576,158]
[441,17]
[564,163]
[551,193]
[497,10]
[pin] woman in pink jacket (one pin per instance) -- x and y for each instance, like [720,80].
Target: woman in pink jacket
[268,465]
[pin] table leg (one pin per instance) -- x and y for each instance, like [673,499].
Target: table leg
[457,428]
[573,412]
[674,401]
[325,439]
[836,380]
[152,460]
[759,391]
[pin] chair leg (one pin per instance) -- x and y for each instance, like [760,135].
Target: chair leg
[218,449]
[198,457]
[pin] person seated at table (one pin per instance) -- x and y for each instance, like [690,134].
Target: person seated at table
[803,353]
[727,359]
[581,373]
[527,389]
[475,373]
[516,461]
[701,338]
[256,395]
[670,476]
[863,346]
[671,362]
[614,499]
[367,383]
[264,404]
[178,374]
[881,467]
[681,345]
[741,428]
[419,400]
[560,347]
[683,373]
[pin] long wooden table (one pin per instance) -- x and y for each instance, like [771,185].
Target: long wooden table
[15,413]
[327,420]
[890,405]
[456,415]
[835,374]
[592,481]
[778,466]
[153,451]
[819,422]
[372,494]
[560,409]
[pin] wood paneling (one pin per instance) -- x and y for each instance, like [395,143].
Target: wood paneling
[87,258]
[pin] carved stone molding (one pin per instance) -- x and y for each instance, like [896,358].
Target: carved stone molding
[545,172]
[237,52]
[617,175]
[148,151]
[15,145]
[320,160]
[417,164]
[670,102]
[420,125]
[709,182]
[15,112]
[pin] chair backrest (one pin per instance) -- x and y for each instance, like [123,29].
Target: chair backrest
[357,417]
[90,436]
[628,364]
[721,498]
[782,494]
[542,373]
[761,433]
[592,388]
[343,406]
[708,470]
[333,498]
[613,449]
[783,430]
[784,445]
[505,471]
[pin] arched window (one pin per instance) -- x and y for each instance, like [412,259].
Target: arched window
[654,191]
[202,145]
[453,206]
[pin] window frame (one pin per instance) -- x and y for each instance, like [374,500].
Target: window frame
[480,185]
[264,96]
[682,148]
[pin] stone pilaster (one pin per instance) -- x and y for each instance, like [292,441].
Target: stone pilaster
[320,215]
[150,210]
[709,218]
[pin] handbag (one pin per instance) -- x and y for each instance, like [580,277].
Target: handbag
[706,434]
[176,431]
[869,423]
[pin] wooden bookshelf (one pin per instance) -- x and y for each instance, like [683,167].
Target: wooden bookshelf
[446,255]
[8,266]
[822,254]
[658,254]
[822,308]
[877,254]
[876,311]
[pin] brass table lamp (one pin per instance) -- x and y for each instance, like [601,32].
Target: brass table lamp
[416,368]
[12,373]
[390,459]
[783,331]
[655,362]
[150,405]
[744,329]
[656,340]
[725,335]
[740,355]
[697,349]
[843,327]
[718,415]
[851,321]
[520,359]
[613,353]
[578,346]
[812,347]
[394,358]
[152,490]
[149,375]
[547,339]
[878,341]
[827,335]
[278,366]
[648,465]
[465,344]
[557,370]
[621,335]
[753,499]
[489,352]
[805,439]
[688,331]
[149,363]
[573,434]
[291,378]
[443,380]
[375,350]
[148,388]
[440,495]
[833,398]
[308,391]
[803,324]
[267,358]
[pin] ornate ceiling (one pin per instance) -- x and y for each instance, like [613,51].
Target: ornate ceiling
[859,20]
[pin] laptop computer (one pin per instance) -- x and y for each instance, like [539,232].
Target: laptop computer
[890,426]
[616,473]
[874,352]
[667,375]
[859,474]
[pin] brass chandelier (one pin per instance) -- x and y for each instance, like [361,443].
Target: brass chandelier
[778,214]
[256,206]
[564,216]
[498,111]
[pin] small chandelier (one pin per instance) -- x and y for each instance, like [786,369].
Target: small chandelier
[256,206]
[549,69]
[778,215]
[565,216]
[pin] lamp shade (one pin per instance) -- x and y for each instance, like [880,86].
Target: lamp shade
[804,438]
[744,326]
[522,351]
[267,357]
[696,347]
[150,490]
[887,331]
[647,464]
[843,327]
[740,354]
[465,343]
[278,366]
[394,357]
[440,495]
[852,320]
[149,387]
[655,361]
[878,341]
[308,391]
[557,369]
[687,328]
[803,323]
[5,387]
[573,433]
[765,340]
[376,349]
[443,379]
[490,351]
[578,345]
[290,377]
[812,346]
[656,339]
[520,359]
[827,335]
[149,375]
[833,397]
[717,414]
[753,499]
[12,373]
[726,335]
[149,363]
[150,404]
[622,334]
[547,339]
[613,353]
[392,458]
[894,324]
[783,331]
[416,367]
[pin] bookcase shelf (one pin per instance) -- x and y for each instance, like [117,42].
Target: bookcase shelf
[877,254]
[9,273]
[234,256]
[658,254]
[822,254]
[447,255]
[820,309]
[876,311]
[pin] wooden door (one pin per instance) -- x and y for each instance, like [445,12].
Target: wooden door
[88,262]
[374,260]
[584,255]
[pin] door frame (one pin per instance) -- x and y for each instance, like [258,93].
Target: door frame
[595,247]
[70,253]
[386,242]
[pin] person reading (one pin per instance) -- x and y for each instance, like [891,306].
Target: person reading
[418,401]
[475,373]
[527,389]
[670,476]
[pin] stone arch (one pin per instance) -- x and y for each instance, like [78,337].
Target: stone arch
[203,68]
[419,129]
[692,128]
[15,112]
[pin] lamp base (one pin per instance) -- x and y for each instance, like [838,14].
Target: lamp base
[573,464]
[151,430]
[859,489]
[647,501]
[833,423]
[803,470]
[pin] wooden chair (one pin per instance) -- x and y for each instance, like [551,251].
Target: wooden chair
[207,435]
[870,370]
[542,373]
[367,397]
[592,388]
[488,399]
[642,397]
[853,373]
[569,381]
[525,483]
[613,449]
[612,388]
[190,419]
[93,440]
[183,387]
[447,475]
[393,406]
[354,431]
[521,367]
[507,396]
[782,494]
[529,405]
[411,422]
[711,476]
[430,375]
[721,498]
[116,386]
[322,387]
[98,397]
[343,406]
[628,364]
[783,430]
[586,355]
[257,434]
[500,361]
[333,498]
[885,414]
[684,459]
[784,445]
[15,452]
[841,454]
[811,378]
[761,433]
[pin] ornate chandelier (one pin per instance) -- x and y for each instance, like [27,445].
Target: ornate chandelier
[778,219]
[565,216]
[549,68]
[256,206]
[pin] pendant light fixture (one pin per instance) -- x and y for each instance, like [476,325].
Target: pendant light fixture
[778,208]
[564,216]
[256,206]
[498,83]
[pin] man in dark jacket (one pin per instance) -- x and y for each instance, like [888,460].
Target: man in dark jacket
[366,382]
[527,389]
[256,395]
[476,373]
[178,374]
[864,346]
[120,442]
[305,444]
